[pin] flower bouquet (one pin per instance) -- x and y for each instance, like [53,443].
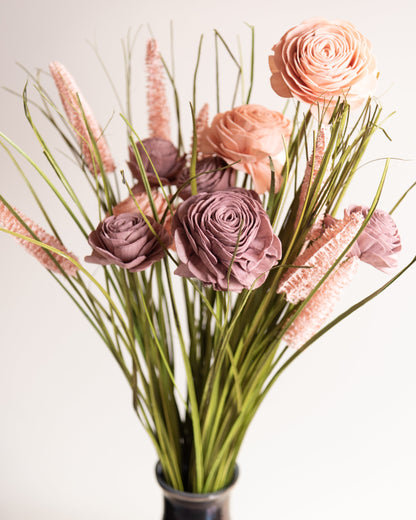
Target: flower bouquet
[221,260]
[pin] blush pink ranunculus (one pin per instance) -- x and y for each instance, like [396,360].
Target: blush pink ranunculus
[248,134]
[319,61]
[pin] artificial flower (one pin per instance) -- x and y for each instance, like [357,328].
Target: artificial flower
[379,244]
[140,199]
[201,124]
[312,169]
[212,175]
[82,120]
[157,102]
[319,61]
[11,223]
[157,155]
[318,257]
[225,239]
[318,309]
[249,134]
[128,241]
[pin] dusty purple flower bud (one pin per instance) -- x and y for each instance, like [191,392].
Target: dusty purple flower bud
[379,244]
[164,156]
[127,241]
[212,175]
[225,239]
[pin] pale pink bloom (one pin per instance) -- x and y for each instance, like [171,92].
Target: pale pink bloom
[157,103]
[312,169]
[249,134]
[140,198]
[318,309]
[10,222]
[318,258]
[319,61]
[71,99]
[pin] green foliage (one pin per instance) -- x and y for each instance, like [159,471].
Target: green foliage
[229,346]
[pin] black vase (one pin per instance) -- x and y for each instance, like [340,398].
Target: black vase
[180,505]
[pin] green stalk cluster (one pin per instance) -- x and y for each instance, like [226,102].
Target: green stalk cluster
[229,346]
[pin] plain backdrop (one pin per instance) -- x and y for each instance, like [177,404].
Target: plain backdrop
[335,438]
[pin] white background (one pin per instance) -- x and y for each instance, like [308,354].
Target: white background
[335,438]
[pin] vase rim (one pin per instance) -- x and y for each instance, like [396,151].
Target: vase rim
[195,496]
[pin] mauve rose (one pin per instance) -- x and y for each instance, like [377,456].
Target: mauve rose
[165,159]
[319,61]
[213,231]
[127,241]
[249,134]
[379,244]
[212,175]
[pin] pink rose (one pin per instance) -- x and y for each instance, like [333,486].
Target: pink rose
[379,244]
[319,61]
[165,158]
[126,240]
[213,174]
[225,239]
[249,134]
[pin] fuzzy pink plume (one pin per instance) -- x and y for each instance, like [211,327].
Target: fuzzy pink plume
[318,258]
[317,311]
[10,222]
[71,99]
[311,171]
[201,124]
[157,103]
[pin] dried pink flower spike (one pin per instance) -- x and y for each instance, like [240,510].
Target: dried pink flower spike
[298,282]
[321,305]
[312,167]
[317,229]
[201,123]
[71,98]
[10,222]
[156,93]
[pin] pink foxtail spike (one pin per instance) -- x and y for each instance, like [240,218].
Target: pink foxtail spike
[315,261]
[201,123]
[317,311]
[11,223]
[71,99]
[157,104]
[312,168]
[317,229]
